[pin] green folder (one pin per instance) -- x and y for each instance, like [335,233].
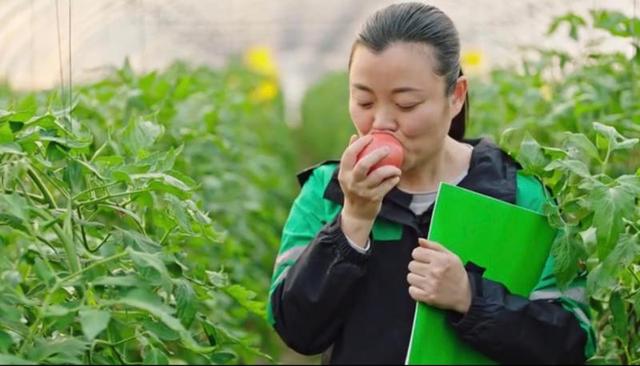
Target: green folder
[511,242]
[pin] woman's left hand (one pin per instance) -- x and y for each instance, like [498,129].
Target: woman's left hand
[438,278]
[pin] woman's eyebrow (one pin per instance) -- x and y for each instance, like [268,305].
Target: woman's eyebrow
[362,87]
[402,89]
[405,89]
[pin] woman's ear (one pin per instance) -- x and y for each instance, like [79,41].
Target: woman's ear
[458,96]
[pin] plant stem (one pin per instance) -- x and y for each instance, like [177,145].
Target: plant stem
[27,195]
[43,189]
[69,248]
[114,195]
[606,159]
[99,245]
[166,235]
[98,151]
[76,196]
[84,235]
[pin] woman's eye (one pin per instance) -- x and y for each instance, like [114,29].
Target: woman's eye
[407,107]
[365,105]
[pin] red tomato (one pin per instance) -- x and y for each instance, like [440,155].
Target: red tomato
[380,139]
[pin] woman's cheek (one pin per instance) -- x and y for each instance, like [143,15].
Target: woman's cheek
[415,126]
[361,120]
[420,122]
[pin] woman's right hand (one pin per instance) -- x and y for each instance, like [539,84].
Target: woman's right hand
[363,193]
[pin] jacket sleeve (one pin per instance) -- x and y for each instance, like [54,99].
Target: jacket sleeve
[514,329]
[315,276]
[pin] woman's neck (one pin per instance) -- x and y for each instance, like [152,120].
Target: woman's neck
[447,165]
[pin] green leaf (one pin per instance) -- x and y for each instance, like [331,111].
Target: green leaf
[574,21]
[579,147]
[46,120]
[93,322]
[160,330]
[636,303]
[619,314]
[531,156]
[569,166]
[221,358]
[25,109]
[165,183]
[589,239]
[610,205]
[211,333]
[604,276]
[15,205]
[180,213]
[67,142]
[218,279]
[12,149]
[614,139]
[6,359]
[43,272]
[153,261]
[14,211]
[5,342]
[62,350]
[73,175]
[615,22]
[140,135]
[567,253]
[118,281]
[245,299]
[143,299]
[6,135]
[57,310]
[186,302]
[630,183]
[154,356]
[139,242]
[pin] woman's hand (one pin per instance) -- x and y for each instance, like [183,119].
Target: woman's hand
[363,193]
[438,278]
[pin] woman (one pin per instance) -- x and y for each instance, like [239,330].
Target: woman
[353,259]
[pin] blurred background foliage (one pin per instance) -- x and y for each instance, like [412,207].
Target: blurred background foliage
[222,132]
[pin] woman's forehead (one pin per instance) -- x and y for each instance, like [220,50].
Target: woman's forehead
[400,62]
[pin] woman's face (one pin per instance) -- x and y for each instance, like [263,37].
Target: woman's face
[398,90]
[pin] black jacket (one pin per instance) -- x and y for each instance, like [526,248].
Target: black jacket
[356,308]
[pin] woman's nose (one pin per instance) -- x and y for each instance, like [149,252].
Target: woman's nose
[384,120]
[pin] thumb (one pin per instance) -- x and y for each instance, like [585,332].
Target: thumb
[352,139]
[431,245]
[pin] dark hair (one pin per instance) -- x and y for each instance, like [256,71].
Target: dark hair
[421,23]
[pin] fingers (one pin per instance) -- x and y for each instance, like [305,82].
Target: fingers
[428,244]
[423,255]
[380,174]
[350,155]
[416,280]
[352,139]
[419,268]
[363,167]
[386,186]
[418,294]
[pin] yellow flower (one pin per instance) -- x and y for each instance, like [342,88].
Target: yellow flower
[266,91]
[260,60]
[546,92]
[472,60]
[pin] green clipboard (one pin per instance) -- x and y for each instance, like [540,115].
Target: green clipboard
[511,242]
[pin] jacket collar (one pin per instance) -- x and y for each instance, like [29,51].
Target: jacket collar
[491,172]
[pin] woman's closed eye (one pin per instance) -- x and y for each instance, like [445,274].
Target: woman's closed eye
[365,104]
[407,106]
